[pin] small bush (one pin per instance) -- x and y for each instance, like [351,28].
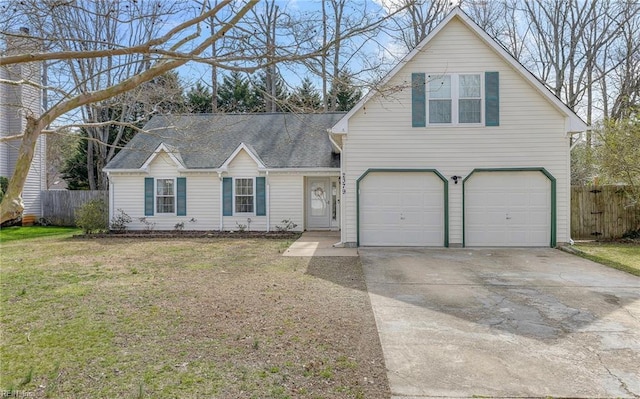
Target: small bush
[93,216]
[287,225]
[120,221]
[148,225]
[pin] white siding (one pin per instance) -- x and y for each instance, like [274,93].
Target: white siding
[286,199]
[126,192]
[203,197]
[243,166]
[531,131]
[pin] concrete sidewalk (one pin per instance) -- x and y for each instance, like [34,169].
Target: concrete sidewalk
[319,243]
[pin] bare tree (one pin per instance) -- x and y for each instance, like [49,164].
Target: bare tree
[624,78]
[95,26]
[414,19]
[347,26]
[164,53]
[499,19]
[568,38]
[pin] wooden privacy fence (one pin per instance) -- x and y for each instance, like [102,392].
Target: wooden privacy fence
[59,206]
[601,212]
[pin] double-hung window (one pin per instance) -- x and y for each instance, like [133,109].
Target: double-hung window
[244,196]
[455,99]
[165,196]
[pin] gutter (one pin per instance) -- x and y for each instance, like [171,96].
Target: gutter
[268,201]
[138,170]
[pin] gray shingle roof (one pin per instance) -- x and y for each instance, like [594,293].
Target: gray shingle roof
[281,140]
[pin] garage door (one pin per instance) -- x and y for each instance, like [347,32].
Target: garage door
[401,209]
[507,209]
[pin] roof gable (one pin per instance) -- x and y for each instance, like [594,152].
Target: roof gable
[573,122]
[250,151]
[171,151]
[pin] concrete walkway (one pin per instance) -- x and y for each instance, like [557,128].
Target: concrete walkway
[463,323]
[319,243]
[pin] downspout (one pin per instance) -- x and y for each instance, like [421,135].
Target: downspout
[335,145]
[575,143]
[343,183]
[111,198]
[339,244]
[268,201]
[221,199]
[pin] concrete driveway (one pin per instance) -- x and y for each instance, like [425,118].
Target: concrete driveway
[504,323]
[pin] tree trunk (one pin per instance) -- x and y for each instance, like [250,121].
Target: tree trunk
[323,59]
[12,205]
[90,165]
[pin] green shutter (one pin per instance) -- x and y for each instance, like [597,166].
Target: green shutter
[148,196]
[261,197]
[182,196]
[418,100]
[227,196]
[492,99]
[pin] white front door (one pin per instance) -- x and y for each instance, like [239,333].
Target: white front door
[318,203]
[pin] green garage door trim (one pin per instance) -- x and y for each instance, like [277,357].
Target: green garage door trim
[434,171]
[549,176]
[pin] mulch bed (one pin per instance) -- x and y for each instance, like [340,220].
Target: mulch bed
[193,234]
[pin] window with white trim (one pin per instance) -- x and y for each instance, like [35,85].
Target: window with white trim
[165,196]
[244,195]
[455,99]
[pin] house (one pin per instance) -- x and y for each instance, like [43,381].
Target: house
[228,172]
[459,145]
[16,101]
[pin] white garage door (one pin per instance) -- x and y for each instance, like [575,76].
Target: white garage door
[401,209]
[507,209]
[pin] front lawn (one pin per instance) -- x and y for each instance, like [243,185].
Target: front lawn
[622,256]
[188,318]
[20,233]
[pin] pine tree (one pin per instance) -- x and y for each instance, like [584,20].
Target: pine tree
[265,99]
[236,95]
[306,98]
[199,99]
[343,94]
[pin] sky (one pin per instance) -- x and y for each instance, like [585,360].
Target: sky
[367,52]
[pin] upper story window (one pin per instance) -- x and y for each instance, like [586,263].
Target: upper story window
[165,196]
[244,198]
[455,99]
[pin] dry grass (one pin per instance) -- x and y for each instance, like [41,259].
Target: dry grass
[185,318]
[619,255]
